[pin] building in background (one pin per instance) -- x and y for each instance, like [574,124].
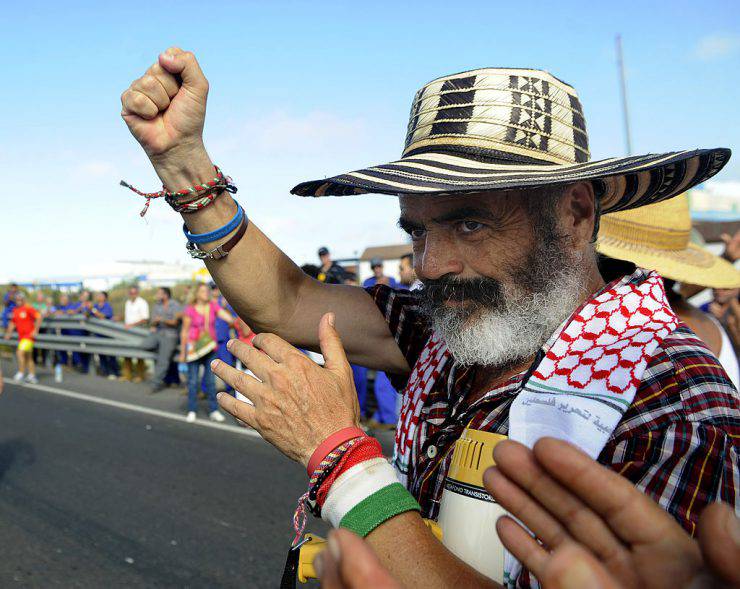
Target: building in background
[391,256]
[147,273]
[715,202]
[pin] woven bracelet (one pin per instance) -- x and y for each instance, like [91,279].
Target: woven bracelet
[191,199]
[323,470]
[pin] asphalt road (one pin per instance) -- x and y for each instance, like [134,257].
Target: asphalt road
[98,496]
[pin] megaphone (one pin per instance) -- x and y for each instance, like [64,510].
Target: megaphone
[467,512]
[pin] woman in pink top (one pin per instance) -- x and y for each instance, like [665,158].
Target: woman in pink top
[198,321]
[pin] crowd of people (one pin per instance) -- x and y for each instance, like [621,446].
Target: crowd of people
[183,335]
[186,335]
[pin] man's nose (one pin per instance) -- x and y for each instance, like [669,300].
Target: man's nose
[437,257]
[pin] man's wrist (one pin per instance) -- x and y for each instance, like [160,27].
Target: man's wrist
[329,444]
[184,166]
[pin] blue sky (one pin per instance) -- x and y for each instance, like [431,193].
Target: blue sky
[300,90]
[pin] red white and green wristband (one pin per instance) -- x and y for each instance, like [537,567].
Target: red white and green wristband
[352,485]
[366,495]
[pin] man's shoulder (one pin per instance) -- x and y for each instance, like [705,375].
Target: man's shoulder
[687,357]
[684,382]
[408,325]
[383,294]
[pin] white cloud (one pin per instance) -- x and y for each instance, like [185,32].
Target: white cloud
[716,46]
[97,169]
[284,133]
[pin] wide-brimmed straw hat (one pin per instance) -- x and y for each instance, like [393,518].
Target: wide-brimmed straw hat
[499,129]
[658,237]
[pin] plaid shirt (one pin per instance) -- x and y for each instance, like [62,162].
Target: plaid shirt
[676,443]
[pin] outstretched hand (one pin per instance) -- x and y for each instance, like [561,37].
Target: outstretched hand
[297,403]
[571,502]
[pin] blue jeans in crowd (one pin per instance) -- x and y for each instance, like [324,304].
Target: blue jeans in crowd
[359,375]
[386,396]
[82,361]
[208,380]
[223,354]
[109,365]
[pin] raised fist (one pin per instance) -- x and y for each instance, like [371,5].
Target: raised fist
[165,109]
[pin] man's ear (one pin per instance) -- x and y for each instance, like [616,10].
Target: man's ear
[579,212]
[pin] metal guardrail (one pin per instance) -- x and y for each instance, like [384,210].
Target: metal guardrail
[101,337]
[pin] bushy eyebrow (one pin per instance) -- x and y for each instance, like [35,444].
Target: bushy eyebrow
[408,225]
[460,214]
[464,213]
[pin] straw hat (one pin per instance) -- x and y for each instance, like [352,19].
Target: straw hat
[498,129]
[658,237]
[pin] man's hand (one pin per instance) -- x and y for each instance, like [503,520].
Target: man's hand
[165,111]
[564,497]
[350,563]
[297,404]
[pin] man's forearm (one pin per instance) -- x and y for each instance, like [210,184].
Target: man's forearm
[265,287]
[272,294]
[256,277]
[415,557]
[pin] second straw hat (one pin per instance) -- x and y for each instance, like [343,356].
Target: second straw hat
[658,237]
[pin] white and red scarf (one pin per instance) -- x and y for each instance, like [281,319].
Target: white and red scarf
[587,378]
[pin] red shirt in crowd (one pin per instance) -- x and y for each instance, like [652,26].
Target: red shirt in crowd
[24,319]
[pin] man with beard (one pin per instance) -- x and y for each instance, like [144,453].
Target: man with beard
[514,332]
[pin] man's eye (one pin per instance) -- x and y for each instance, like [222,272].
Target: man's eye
[470,226]
[417,233]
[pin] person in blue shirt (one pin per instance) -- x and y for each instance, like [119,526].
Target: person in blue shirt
[83,306]
[102,309]
[223,332]
[385,393]
[378,277]
[9,303]
[65,307]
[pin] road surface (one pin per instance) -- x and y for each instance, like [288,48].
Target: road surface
[96,495]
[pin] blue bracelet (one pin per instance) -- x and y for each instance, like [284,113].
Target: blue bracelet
[218,233]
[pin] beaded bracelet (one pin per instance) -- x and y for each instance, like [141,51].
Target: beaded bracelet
[217,233]
[191,199]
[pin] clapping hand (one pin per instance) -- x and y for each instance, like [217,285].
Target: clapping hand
[581,511]
[297,403]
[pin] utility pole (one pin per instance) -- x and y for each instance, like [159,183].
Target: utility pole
[623,86]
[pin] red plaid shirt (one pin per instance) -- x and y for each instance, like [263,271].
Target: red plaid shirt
[677,442]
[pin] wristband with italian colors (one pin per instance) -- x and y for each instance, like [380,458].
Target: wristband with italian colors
[333,441]
[365,496]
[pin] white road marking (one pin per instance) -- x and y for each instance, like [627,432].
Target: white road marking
[131,407]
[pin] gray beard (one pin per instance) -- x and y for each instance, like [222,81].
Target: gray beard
[505,337]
